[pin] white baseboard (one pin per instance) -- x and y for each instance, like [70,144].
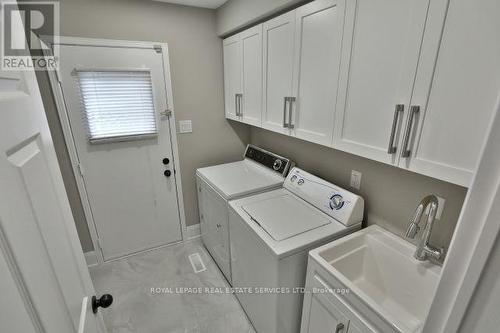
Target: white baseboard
[193,231]
[91,258]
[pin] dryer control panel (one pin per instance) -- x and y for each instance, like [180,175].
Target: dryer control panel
[344,206]
[270,160]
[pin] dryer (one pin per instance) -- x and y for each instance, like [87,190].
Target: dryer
[271,234]
[259,171]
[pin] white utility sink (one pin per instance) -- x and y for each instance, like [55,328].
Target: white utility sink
[379,268]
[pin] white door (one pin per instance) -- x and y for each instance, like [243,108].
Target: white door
[380,53]
[278,70]
[251,52]
[130,184]
[43,275]
[318,43]
[232,76]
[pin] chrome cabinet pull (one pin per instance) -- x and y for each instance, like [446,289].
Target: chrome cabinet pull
[239,98]
[399,109]
[291,100]
[285,100]
[236,105]
[340,327]
[409,128]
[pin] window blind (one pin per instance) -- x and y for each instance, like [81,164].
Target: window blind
[118,105]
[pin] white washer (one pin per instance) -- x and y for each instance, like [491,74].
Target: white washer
[259,171]
[271,234]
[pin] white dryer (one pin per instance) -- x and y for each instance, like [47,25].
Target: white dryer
[271,234]
[259,171]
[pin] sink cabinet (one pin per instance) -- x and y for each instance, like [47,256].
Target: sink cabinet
[325,311]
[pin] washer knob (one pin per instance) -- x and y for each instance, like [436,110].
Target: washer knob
[301,181]
[294,178]
[277,164]
[336,202]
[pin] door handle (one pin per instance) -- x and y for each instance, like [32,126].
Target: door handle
[399,110]
[285,100]
[104,302]
[291,100]
[409,129]
[340,327]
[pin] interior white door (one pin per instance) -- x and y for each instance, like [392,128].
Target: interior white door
[380,52]
[278,70]
[251,52]
[232,76]
[318,44]
[43,275]
[132,196]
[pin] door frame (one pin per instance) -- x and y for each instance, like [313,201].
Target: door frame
[473,241]
[62,111]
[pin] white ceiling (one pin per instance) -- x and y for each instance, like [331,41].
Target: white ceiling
[197,3]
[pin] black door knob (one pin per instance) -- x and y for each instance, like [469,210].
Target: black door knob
[167,173]
[103,302]
[166,161]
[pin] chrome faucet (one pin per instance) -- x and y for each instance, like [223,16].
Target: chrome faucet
[424,249]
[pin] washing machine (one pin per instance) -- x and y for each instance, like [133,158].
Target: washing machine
[259,171]
[271,235]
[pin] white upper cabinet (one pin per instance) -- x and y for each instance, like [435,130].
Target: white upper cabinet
[380,57]
[450,129]
[232,76]
[251,50]
[318,42]
[278,70]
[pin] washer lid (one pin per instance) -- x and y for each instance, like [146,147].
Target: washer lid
[241,178]
[285,216]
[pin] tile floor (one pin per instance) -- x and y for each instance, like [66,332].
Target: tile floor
[136,309]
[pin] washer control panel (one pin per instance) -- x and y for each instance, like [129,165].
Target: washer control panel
[272,161]
[344,206]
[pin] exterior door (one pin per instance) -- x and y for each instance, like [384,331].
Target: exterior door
[381,49]
[251,51]
[232,76]
[43,275]
[278,70]
[130,184]
[318,44]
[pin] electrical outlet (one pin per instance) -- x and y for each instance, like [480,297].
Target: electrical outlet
[356,179]
[185,126]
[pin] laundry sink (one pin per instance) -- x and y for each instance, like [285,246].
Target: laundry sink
[379,268]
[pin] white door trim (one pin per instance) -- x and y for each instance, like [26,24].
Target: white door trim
[68,135]
[473,241]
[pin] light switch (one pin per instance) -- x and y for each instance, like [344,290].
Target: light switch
[356,179]
[185,126]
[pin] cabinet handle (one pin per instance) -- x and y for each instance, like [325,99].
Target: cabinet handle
[409,128]
[399,109]
[340,327]
[291,100]
[285,100]
[240,104]
[236,105]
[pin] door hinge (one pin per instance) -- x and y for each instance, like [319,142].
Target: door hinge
[80,169]
[167,113]
[157,48]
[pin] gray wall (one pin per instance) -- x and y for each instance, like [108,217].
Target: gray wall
[197,74]
[391,194]
[236,14]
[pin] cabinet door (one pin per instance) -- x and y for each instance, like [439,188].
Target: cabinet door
[318,43]
[251,50]
[278,70]
[449,131]
[232,76]
[379,60]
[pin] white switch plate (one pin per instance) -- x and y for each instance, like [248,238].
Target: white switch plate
[356,179]
[185,126]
